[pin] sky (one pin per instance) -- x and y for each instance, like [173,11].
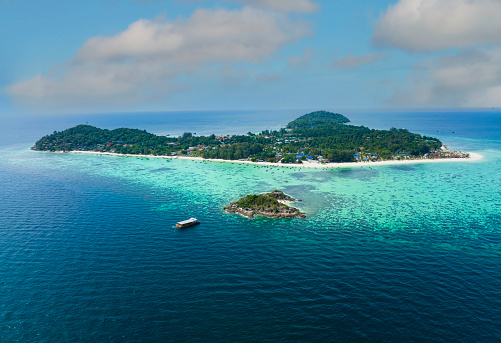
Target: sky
[99,56]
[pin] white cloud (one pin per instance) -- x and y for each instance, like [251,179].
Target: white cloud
[300,6]
[469,79]
[247,35]
[152,57]
[428,25]
[352,61]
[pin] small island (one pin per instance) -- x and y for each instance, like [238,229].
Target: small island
[269,205]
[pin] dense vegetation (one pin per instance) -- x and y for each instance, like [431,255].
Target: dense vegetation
[321,136]
[265,201]
[260,202]
[266,204]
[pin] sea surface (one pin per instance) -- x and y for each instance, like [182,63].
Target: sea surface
[408,253]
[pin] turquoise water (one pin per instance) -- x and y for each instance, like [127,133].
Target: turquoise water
[387,253]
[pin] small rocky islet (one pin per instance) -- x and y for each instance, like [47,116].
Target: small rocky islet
[269,205]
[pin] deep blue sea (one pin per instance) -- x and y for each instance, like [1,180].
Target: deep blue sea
[408,253]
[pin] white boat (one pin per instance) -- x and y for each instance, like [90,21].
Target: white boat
[188,222]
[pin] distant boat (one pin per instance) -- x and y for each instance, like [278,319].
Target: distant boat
[188,223]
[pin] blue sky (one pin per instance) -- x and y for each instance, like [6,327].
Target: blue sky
[151,55]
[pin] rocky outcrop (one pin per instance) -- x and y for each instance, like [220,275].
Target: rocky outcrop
[266,205]
[281,196]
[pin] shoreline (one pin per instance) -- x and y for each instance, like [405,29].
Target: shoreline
[312,165]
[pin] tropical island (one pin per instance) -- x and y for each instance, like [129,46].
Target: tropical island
[271,205]
[318,137]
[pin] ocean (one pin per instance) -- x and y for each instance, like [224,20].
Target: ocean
[407,253]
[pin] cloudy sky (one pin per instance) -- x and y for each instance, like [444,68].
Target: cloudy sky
[61,56]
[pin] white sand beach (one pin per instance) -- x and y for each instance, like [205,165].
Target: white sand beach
[307,164]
